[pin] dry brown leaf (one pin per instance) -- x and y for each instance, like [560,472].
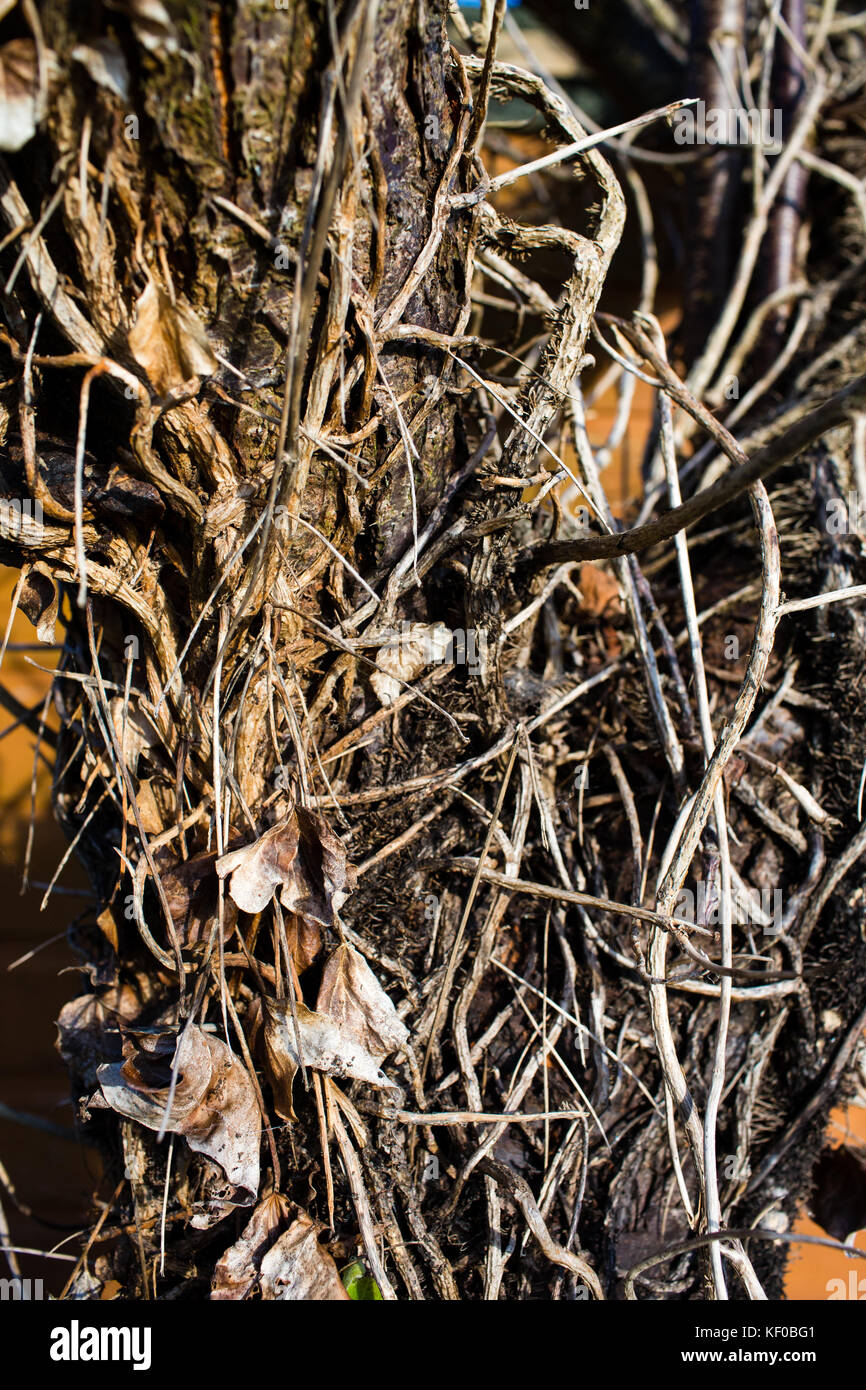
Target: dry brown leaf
[321,878]
[104,61]
[281,1057]
[149,812]
[257,870]
[302,857]
[351,995]
[237,1270]
[599,591]
[190,891]
[298,1269]
[108,926]
[352,1031]
[22,99]
[214,1105]
[82,1024]
[168,341]
[135,734]
[39,600]
[304,940]
[324,1047]
[406,656]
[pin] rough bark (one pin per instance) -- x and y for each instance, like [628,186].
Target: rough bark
[353,904]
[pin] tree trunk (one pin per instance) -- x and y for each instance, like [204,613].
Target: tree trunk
[215,169]
[324,743]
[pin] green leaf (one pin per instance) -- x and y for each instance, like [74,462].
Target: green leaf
[359,1285]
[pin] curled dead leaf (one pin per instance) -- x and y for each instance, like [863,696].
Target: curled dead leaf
[281,1056]
[135,734]
[351,995]
[280,1256]
[108,926]
[84,1022]
[324,1047]
[103,60]
[321,877]
[39,600]
[168,341]
[257,870]
[304,940]
[22,93]
[237,1270]
[302,857]
[214,1105]
[353,1029]
[190,891]
[298,1269]
[150,814]
[599,591]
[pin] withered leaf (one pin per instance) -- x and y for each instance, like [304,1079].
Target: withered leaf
[168,341]
[324,1047]
[214,1197]
[190,891]
[353,1029]
[257,870]
[599,591]
[136,733]
[321,879]
[149,812]
[39,600]
[302,857]
[83,1023]
[304,940]
[153,26]
[237,1270]
[22,100]
[214,1105]
[298,1268]
[86,1287]
[104,61]
[281,1059]
[351,995]
[108,926]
